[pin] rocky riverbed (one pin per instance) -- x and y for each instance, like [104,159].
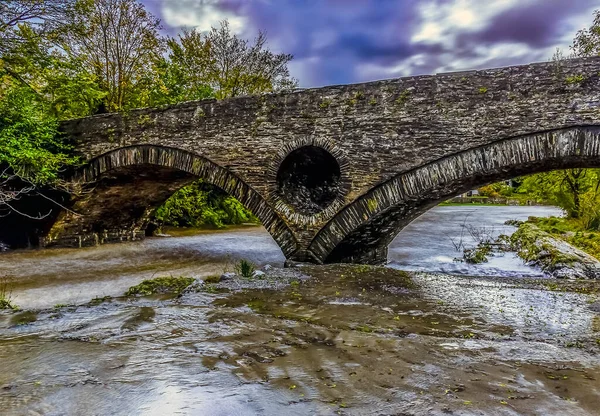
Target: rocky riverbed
[348,340]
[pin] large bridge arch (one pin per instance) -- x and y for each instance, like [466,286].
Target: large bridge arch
[362,231]
[179,167]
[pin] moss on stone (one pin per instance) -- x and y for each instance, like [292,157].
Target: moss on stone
[537,246]
[175,285]
[212,279]
[99,300]
[24,318]
[145,120]
[403,97]
[372,204]
[325,104]
[574,79]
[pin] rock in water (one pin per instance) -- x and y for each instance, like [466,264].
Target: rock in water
[227,276]
[555,256]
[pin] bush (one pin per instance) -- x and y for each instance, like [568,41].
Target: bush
[201,204]
[245,268]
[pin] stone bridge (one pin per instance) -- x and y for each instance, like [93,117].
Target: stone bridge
[335,173]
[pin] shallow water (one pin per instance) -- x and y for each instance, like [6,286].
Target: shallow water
[349,340]
[430,243]
[42,279]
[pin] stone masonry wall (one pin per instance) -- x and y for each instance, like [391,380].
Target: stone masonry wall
[376,130]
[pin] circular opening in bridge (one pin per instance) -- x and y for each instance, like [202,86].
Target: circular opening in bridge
[309,179]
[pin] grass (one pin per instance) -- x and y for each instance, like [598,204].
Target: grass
[570,230]
[6,295]
[175,285]
[245,268]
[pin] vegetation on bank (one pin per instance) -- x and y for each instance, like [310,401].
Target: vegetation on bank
[5,296]
[478,254]
[554,255]
[571,231]
[200,204]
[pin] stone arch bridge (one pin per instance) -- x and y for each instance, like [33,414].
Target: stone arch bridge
[335,173]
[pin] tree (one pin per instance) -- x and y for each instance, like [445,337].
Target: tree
[45,16]
[200,204]
[117,41]
[587,41]
[230,65]
[59,80]
[31,152]
[33,78]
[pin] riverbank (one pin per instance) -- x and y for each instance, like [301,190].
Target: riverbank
[570,230]
[557,245]
[484,200]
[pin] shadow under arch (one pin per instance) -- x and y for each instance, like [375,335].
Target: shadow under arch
[362,231]
[195,167]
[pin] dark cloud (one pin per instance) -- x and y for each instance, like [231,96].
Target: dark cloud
[537,24]
[344,41]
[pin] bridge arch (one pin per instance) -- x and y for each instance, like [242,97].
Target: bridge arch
[362,231]
[190,165]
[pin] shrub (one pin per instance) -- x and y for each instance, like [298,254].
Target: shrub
[5,296]
[245,268]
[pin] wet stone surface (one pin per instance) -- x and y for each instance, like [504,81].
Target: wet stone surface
[348,340]
[308,179]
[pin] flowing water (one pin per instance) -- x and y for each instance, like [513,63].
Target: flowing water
[328,340]
[437,238]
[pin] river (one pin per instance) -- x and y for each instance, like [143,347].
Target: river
[346,340]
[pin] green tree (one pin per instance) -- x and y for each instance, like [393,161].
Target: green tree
[44,16]
[229,65]
[587,41]
[200,204]
[117,41]
[31,151]
[33,79]
[57,78]
[576,191]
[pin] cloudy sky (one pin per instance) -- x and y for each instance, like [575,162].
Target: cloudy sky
[346,41]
